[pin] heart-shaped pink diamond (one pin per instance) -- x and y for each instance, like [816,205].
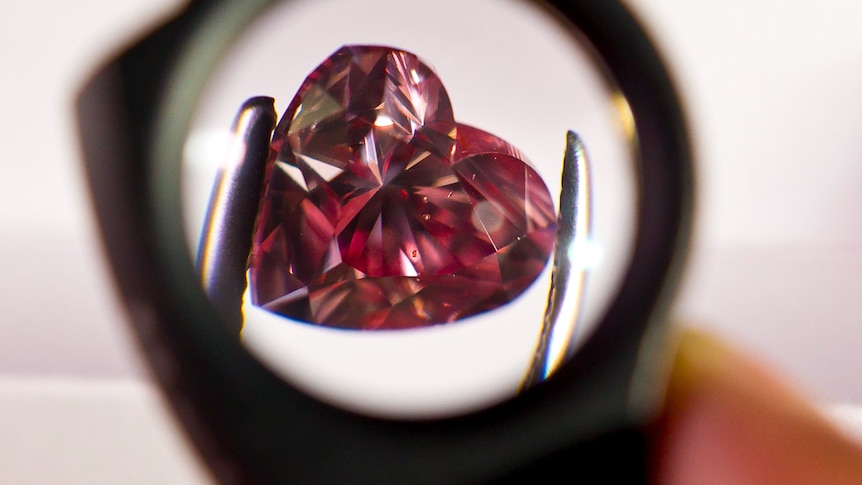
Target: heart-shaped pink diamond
[381,212]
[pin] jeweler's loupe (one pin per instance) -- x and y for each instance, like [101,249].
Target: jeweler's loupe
[391,242]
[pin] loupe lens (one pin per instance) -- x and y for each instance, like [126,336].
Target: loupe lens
[510,69]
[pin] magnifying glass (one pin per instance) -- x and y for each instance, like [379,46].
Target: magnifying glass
[282,385]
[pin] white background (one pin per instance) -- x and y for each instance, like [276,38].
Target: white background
[772,90]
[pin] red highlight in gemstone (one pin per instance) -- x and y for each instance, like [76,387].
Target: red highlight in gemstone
[381,212]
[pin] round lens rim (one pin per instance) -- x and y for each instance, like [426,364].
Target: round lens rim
[250,423]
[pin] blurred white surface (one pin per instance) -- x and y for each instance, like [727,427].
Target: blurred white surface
[90,431]
[771,88]
[772,92]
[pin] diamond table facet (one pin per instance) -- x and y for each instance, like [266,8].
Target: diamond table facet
[381,211]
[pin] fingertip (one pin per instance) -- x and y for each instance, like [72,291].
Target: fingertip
[728,419]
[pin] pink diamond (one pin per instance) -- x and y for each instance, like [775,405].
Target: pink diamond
[381,212]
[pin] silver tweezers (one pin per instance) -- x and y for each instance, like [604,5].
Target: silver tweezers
[226,239]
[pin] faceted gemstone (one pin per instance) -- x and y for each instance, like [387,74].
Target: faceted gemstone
[381,212]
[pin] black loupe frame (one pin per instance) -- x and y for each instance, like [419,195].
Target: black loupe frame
[251,426]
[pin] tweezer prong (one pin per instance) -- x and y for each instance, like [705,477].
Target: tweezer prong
[565,298]
[227,233]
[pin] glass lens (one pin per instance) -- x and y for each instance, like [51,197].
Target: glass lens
[407,260]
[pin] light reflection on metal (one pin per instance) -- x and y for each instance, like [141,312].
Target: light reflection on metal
[569,273]
[627,119]
[226,237]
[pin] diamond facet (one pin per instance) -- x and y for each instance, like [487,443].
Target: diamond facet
[381,212]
